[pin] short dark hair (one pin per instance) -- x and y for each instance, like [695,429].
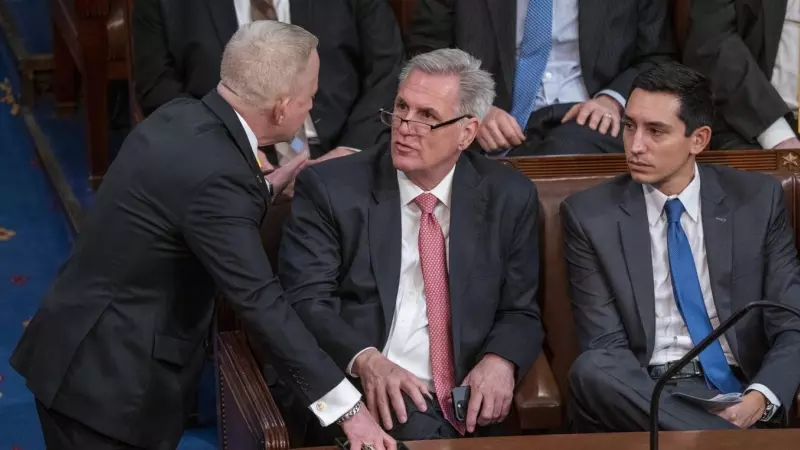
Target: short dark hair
[691,87]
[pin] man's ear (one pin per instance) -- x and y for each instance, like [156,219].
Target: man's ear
[279,112]
[468,133]
[700,139]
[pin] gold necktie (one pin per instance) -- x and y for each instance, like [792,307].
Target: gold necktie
[262,10]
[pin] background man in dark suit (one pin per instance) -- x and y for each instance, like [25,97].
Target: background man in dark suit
[178,45]
[659,256]
[750,50]
[561,60]
[117,346]
[416,268]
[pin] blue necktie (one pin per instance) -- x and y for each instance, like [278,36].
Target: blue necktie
[689,297]
[533,55]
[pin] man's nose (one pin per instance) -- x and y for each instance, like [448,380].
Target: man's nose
[404,128]
[637,143]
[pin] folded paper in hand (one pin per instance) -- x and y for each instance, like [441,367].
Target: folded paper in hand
[713,404]
[297,145]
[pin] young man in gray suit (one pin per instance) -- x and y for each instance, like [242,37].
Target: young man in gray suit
[660,256]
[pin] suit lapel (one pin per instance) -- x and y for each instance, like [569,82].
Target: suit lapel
[774,16]
[634,230]
[223,14]
[385,235]
[228,117]
[504,19]
[591,16]
[717,219]
[467,208]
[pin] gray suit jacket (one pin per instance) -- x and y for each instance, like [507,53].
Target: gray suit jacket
[751,256]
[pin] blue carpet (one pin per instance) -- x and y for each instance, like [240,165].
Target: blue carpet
[35,236]
[35,239]
[66,137]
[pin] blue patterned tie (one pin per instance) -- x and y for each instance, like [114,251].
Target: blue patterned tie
[689,297]
[533,55]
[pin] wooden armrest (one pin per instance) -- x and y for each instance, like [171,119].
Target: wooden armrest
[247,415]
[538,400]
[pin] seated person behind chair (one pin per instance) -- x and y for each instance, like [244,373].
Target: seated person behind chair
[568,62]
[752,66]
[660,256]
[416,268]
[178,45]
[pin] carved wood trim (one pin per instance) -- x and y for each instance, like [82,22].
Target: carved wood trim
[248,413]
[789,160]
[549,167]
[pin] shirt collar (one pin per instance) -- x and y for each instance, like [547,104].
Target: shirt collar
[690,197]
[409,191]
[251,137]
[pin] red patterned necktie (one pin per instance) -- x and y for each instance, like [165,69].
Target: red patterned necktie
[262,10]
[433,257]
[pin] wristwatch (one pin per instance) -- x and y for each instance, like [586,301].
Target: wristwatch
[349,414]
[270,188]
[769,410]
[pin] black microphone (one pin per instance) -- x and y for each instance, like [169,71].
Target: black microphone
[724,326]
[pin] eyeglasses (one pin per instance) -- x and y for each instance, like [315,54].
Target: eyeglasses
[414,126]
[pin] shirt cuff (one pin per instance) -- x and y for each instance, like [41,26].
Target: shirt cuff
[613,94]
[767,393]
[335,403]
[353,361]
[776,133]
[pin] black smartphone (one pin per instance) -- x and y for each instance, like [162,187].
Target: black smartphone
[461,402]
[344,444]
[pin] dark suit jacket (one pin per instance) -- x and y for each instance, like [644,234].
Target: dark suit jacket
[120,338]
[618,39]
[340,258]
[179,44]
[751,256]
[734,43]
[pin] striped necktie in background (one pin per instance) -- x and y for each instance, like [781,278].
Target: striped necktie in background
[262,10]
[533,54]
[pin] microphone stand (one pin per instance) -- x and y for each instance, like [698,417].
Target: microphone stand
[719,331]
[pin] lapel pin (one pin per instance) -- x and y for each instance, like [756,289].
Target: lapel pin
[721,219]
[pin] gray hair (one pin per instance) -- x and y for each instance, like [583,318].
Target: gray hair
[476,88]
[264,59]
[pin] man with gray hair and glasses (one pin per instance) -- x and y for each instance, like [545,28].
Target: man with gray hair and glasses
[416,268]
[116,348]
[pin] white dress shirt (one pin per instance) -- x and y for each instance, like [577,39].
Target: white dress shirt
[408,345]
[562,81]
[344,396]
[672,335]
[785,75]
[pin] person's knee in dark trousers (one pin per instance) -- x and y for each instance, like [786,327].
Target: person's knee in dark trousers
[586,379]
[569,138]
[431,424]
[422,425]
